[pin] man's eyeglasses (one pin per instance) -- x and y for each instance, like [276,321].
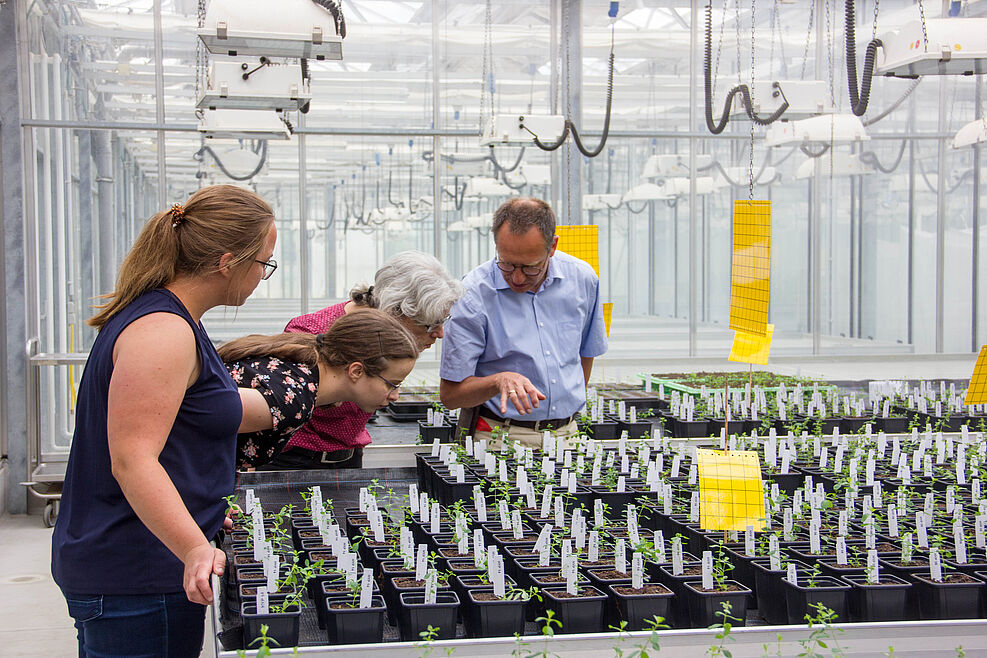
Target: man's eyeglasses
[387,381]
[269,267]
[432,328]
[527,270]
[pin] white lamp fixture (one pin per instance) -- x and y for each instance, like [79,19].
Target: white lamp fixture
[673,164]
[481,186]
[287,28]
[806,98]
[236,85]
[601,201]
[645,192]
[836,164]
[829,129]
[972,133]
[514,129]
[956,46]
[243,124]
[679,186]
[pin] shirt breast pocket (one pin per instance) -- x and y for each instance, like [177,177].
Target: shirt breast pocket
[570,337]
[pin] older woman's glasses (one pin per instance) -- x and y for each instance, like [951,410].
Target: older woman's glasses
[269,267]
[435,326]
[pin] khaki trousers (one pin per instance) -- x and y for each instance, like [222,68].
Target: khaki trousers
[528,437]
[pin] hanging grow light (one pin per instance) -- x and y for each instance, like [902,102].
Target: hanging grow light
[836,164]
[829,128]
[243,124]
[287,28]
[673,164]
[601,201]
[646,192]
[237,85]
[955,46]
[972,133]
[805,98]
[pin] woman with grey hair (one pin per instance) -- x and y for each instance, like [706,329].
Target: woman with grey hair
[418,291]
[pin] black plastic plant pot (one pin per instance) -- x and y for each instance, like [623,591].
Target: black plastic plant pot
[770,598]
[617,502]
[332,587]
[489,616]
[831,592]
[635,430]
[687,429]
[583,613]
[957,597]
[830,568]
[637,607]
[415,616]
[885,601]
[349,625]
[706,606]
[891,424]
[461,584]
[605,430]
[281,626]
[429,433]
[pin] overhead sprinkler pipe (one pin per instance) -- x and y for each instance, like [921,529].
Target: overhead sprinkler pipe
[858,100]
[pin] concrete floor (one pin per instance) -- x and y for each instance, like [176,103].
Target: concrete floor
[33,617]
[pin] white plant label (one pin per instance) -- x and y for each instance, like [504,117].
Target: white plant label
[516,524]
[263,601]
[920,529]
[787,527]
[842,523]
[959,543]
[878,494]
[435,447]
[500,586]
[621,484]
[707,570]
[594,546]
[978,528]
[676,464]
[433,519]
[413,498]
[637,571]
[786,462]
[749,540]
[694,507]
[659,543]
[546,500]
[814,547]
[431,587]
[893,520]
[935,565]
[423,507]
[774,553]
[366,588]
[620,556]
[559,512]
[421,562]
[677,556]
[505,517]
[873,569]
[481,505]
[543,538]
[478,548]
[792,575]
[841,550]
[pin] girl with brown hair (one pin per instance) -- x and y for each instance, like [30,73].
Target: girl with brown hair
[155,437]
[362,358]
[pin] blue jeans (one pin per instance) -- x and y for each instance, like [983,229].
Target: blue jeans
[146,625]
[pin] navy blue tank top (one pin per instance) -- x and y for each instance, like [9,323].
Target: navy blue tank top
[99,546]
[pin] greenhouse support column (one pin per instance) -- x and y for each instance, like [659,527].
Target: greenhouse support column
[941,218]
[17,308]
[555,21]
[652,285]
[437,7]
[572,93]
[975,260]
[159,106]
[303,218]
[694,13]
[815,213]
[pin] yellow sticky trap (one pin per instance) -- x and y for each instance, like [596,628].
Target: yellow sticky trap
[731,495]
[607,315]
[751,348]
[750,278]
[977,392]
[581,241]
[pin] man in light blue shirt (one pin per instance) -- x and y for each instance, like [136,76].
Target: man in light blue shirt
[520,342]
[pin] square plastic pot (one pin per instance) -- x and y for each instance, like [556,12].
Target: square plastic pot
[415,616]
[355,625]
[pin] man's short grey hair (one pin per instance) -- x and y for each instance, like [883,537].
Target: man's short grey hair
[524,212]
[413,284]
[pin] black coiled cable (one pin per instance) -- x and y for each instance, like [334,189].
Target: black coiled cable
[570,127]
[745,95]
[858,101]
[337,15]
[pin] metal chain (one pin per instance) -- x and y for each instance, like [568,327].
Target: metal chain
[829,54]
[925,34]
[719,46]
[486,67]
[736,6]
[873,32]
[774,22]
[750,169]
[200,51]
[567,29]
[808,37]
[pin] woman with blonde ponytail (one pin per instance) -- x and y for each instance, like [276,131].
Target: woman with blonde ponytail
[155,436]
[363,358]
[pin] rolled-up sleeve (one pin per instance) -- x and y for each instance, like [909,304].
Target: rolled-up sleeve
[594,341]
[464,340]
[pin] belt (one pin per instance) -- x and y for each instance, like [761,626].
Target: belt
[550,424]
[327,456]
